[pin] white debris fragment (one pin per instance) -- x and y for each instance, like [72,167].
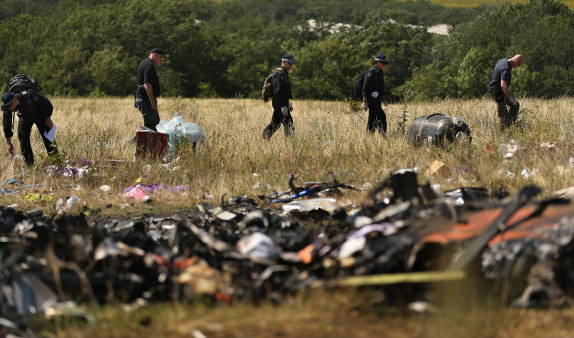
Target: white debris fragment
[506,173]
[105,188]
[527,174]
[508,149]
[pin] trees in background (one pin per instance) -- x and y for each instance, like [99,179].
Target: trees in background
[539,30]
[226,48]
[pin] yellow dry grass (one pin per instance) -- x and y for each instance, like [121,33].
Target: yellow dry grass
[329,137]
[349,313]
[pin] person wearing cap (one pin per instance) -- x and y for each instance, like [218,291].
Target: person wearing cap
[32,108]
[148,88]
[500,92]
[374,94]
[282,108]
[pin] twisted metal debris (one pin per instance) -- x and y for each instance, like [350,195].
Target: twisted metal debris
[247,248]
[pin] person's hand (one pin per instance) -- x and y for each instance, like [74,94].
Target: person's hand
[290,106]
[385,104]
[375,95]
[365,106]
[284,110]
[513,101]
[10,147]
[49,124]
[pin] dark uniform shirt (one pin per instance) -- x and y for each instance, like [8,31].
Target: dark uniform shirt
[33,106]
[374,82]
[281,88]
[147,74]
[502,71]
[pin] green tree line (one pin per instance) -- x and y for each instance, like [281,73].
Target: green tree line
[226,48]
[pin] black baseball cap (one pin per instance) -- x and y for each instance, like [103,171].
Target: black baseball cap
[382,59]
[7,100]
[289,58]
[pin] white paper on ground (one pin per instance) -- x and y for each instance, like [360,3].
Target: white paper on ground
[51,134]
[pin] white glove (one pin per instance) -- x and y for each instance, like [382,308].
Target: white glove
[284,110]
[375,95]
[365,106]
[290,106]
[385,104]
[513,100]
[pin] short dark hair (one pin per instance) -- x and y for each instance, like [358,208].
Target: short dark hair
[158,51]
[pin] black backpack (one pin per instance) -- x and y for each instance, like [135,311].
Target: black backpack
[23,84]
[358,89]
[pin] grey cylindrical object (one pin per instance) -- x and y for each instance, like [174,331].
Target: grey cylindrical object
[436,129]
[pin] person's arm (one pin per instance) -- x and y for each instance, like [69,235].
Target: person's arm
[279,90]
[149,90]
[46,108]
[366,86]
[7,124]
[506,90]
[49,123]
[382,87]
[8,133]
[382,92]
[10,146]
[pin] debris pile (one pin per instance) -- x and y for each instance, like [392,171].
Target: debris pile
[269,247]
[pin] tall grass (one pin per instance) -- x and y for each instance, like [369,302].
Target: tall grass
[340,313]
[329,137]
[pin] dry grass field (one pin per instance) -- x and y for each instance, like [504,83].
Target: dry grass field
[350,313]
[474,3]
[329,137]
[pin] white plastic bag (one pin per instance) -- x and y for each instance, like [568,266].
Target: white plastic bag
[179,133]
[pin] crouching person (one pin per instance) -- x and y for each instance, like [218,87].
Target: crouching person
[33,109]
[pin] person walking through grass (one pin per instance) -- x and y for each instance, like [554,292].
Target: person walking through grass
[374,94]
[33,109]
[282,108]
[148,88]
[500,92]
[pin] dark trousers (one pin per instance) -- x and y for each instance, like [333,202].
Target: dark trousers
[276,121]
[150,116]
[377,119]
[24,131]
[507,117]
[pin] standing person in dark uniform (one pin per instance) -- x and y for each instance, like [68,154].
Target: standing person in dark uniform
[148,88]
[32,108]
[498,89]
[374,94]
[282,108]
